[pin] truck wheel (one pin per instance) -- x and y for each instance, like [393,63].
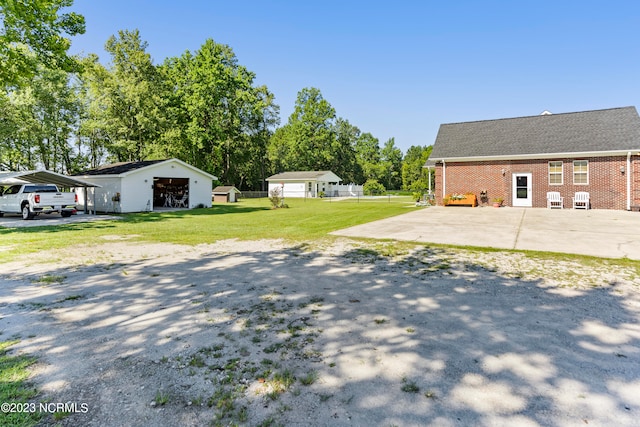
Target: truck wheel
[65,214]
[26,213]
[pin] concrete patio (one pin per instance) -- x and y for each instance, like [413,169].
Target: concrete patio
[602,233]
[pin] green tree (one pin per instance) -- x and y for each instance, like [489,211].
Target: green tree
[373,188]
[131,95]
[314,139]
[278,150]
[39,121]
[367,150]
[17,127]
[33,33]
[173,139]
[414,176]
[391,159]
[253,170]
[56,110]
[217,120]
[344,161]
[306,142]
[93,130]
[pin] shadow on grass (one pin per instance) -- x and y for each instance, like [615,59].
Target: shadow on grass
[43,229]
[215,210]
[132,218]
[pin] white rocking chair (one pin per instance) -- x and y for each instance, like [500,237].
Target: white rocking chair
[581,200]
[168,201]
[182,203]
[554,200]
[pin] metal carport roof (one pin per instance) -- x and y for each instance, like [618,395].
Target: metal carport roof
[46,177]
[43,177]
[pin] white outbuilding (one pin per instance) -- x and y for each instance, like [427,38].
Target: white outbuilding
[146,186]
[305,183]
[225,194]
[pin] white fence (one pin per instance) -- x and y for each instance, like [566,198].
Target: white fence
[346,190]
[310,190]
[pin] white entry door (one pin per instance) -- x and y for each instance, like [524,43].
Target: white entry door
[522,189]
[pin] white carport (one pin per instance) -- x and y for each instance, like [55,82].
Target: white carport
[47,177]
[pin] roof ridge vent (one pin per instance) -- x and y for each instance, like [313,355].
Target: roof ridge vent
[546,113]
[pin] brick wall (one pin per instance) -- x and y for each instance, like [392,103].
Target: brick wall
[635,180]
[607,184]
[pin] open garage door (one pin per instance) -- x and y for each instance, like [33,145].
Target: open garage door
[170,192]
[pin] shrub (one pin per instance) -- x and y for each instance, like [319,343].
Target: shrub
[275,197]
[372,188]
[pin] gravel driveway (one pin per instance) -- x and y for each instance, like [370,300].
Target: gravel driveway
[351,333]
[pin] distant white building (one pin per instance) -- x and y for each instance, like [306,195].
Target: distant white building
[145,186]
[305,183]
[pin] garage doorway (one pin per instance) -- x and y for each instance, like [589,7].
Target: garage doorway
[170,192]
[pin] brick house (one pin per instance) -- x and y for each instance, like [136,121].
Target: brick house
[521,159]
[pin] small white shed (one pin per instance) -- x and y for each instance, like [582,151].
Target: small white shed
[225,194]
[305,183]
[146,186]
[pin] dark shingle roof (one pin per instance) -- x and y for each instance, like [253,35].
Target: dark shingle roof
[225,189]
[615,129]
[118,168]
[298,175]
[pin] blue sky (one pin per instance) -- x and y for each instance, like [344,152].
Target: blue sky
[400,69]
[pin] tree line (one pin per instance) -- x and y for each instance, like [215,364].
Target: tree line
[69,114]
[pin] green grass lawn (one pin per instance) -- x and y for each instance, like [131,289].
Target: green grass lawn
[13,389]
[249,219]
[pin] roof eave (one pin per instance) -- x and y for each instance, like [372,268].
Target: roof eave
[45,177]
[536,156]
[173,160]
[318,178]
[134,171]
[87,176]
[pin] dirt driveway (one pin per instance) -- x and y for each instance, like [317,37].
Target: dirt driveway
[261,333]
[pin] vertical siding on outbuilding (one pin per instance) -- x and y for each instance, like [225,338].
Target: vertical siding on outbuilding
[136,187]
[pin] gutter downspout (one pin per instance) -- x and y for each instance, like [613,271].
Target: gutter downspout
[629,181]
[444,179]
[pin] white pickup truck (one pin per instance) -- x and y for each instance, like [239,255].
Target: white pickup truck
[33,199]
